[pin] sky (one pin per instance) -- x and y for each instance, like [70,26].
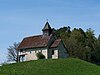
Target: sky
[22,18]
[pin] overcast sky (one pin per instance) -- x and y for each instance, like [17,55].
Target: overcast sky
[21,18]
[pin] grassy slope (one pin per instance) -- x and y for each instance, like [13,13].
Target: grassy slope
[68,66]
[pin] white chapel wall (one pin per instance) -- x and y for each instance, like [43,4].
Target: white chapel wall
[31,53]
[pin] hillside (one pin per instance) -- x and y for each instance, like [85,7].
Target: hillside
[68,66]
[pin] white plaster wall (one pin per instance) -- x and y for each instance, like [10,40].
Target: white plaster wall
[32,55]
[45,52]
[55,56]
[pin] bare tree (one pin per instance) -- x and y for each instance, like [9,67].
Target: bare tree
[13,52]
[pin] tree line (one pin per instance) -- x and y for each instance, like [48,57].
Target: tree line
[80,44]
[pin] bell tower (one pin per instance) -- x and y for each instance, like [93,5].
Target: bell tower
[47,30]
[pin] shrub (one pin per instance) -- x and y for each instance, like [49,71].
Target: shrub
[40,55]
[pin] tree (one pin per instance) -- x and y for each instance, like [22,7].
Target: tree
[77,43]
[62,32]
[80,44]
[13,53]
[68,29]
[98,50]
[91,42]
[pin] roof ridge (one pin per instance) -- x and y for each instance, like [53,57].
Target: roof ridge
[56,43]
[33,36]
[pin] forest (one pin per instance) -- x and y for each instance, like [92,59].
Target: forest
[80,44]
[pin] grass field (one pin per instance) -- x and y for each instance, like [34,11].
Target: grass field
[68,66]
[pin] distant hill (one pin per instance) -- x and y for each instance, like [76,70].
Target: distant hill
[70,66]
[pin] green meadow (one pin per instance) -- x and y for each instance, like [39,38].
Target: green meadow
[69,66]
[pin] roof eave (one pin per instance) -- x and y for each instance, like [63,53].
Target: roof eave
[33,47]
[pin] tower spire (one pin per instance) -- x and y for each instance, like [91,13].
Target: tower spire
[47,30]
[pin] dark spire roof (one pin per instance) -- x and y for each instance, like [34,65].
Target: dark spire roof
[47,26]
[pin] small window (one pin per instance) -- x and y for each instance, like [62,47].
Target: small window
[52,52]
[30,52]
[35,51]
[21,50]
[22,58]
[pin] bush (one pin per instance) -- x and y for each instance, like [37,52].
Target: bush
[40,55]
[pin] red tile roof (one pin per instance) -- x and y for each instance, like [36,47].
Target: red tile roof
[34,42]
[56,43]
